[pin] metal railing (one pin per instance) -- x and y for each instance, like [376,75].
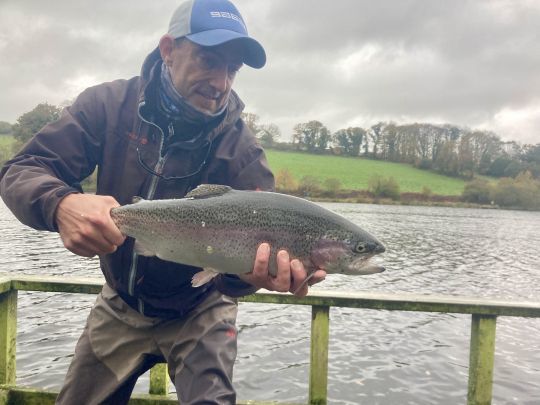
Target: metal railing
[483,312]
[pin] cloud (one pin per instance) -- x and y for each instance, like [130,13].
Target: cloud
[470,63]
[518,123]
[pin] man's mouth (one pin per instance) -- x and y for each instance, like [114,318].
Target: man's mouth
[209,94]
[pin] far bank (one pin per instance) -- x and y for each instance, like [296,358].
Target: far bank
[328,178]
[362,180]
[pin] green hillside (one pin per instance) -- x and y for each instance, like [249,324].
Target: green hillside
[354,173]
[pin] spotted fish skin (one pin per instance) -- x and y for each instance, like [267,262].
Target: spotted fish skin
[220,228]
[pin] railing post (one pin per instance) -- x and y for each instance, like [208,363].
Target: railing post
[318,371]
[8,336]
[481,359]
[159,379]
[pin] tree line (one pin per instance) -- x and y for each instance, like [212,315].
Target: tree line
[447,149]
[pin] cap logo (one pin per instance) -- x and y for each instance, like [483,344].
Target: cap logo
[226,14]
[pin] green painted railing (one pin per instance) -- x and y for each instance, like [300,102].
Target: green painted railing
[484,315]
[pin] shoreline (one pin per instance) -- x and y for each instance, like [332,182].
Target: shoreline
[385,201]
[363,197]
[409,199]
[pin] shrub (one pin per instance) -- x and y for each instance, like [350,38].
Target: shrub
[477,191]
[521,192]
[285,181]
[384,187]
[332,186]
[427,192]
[309,185]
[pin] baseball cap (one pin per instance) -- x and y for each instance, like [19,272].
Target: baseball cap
[215,22]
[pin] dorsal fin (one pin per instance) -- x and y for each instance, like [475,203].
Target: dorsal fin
[208,190]
[136,199]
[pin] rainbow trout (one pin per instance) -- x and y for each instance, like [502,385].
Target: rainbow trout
[219,229]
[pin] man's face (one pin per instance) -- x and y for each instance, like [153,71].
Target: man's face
[204,75]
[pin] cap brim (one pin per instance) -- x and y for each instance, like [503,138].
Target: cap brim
[254,54]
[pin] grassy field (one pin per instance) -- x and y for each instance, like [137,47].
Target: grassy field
[6,140]
[354,173]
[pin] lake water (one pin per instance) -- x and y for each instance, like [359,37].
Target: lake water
[376,357]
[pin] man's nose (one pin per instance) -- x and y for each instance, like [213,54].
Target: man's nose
[220,78]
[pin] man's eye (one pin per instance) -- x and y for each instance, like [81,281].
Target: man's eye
[208,62]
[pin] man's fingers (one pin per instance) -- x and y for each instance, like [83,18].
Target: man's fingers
[85,224]
[260,268]
[87,241]
[282,281]
[98,234]
[291,275]
[109,232]
[261,276]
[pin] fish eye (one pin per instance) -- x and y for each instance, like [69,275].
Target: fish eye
[360,247]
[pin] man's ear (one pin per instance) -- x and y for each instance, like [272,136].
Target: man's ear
[166,45]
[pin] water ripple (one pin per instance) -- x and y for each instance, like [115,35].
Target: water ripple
[376,357]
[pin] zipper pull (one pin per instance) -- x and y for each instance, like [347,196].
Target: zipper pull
[171,130]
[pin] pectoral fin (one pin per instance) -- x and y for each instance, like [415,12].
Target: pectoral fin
[303,283]
[203,277]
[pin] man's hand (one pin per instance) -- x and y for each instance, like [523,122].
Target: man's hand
[290,273]
[85,224]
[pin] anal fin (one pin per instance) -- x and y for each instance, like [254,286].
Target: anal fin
[203,277]
[142,250]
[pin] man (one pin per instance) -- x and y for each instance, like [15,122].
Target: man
[157,136]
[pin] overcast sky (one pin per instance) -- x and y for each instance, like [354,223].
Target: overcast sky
[342,62]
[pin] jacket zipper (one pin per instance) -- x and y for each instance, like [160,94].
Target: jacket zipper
[158,168]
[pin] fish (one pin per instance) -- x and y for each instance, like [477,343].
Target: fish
[219,229]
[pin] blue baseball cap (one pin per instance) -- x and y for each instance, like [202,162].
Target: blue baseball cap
[215,22]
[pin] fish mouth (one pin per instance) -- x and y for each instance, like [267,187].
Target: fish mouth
[364,266]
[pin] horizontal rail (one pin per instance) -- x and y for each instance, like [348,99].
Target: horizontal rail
[35,396]
[369,300]
[484,313]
